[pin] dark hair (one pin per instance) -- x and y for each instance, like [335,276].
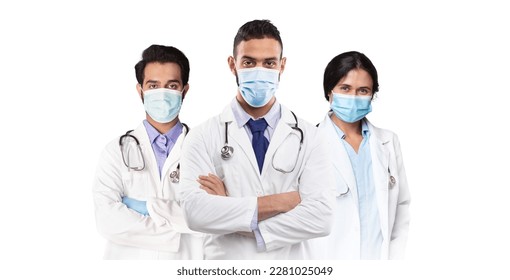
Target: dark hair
[257,29]
[162,54]
[339,66]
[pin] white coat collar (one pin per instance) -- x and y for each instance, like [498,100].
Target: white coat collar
[380,143]
[340,159]
[228,116]
[150,159]
[238,133]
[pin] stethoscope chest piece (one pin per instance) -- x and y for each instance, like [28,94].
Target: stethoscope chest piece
[392,181]
[227,152]
[174,176]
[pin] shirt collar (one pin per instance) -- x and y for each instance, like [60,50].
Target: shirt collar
[242,117]
[364,129]
[171,135]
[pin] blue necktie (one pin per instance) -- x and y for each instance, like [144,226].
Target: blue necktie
[259,142]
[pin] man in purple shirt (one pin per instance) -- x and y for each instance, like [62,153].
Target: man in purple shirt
[135,189]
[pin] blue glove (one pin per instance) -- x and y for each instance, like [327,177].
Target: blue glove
[137,205]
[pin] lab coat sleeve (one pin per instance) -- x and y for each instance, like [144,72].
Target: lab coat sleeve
[401,226]
[115,221]
[313,216]
[204,212]
[167,212]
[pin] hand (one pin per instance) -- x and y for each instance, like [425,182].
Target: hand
[136,205]
[212,184]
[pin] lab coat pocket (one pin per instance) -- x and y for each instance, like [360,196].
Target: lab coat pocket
[136,184]
[341,188]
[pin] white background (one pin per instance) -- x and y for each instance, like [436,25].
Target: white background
[68,87]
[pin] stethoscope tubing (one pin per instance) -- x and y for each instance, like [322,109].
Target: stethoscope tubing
[174,175]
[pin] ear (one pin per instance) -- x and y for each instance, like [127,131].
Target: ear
[139,89]
[185,90]
[330,97]
[282,67]
[232,64]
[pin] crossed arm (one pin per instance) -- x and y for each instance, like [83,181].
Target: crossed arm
[268,206]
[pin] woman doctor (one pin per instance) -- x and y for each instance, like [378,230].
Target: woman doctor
[372,196]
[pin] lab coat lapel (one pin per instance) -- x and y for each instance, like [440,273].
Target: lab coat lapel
[240,136]
[282,130]
[379,143]
[340,158]
[174,156]
[150,159]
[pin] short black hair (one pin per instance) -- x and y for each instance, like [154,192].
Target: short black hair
[341,64]
[257,29]
[162,54]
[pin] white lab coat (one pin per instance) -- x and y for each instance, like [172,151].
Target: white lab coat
[392,198]
[161,235]
[286,234]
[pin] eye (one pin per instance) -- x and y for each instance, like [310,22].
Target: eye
[247,63]
[364,91]
[173,86]
[153,86]
[270,64]
[344,88]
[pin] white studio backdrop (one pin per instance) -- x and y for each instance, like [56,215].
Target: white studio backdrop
[68,88]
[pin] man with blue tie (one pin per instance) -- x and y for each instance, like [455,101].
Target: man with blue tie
[256,177]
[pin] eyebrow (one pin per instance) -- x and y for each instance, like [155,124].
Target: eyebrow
[167,82]
[173,81]
[252,58]
[151,82]
[348,85]
[247,57]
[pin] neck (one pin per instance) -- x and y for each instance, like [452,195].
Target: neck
[348,128]
[252,111]
[162,127]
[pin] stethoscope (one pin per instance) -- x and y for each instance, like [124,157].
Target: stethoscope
[227,151]
[392,180]
[391,183]
[174,175]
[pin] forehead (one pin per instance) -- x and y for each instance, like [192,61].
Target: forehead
[357,76]
[162,71]
[259,48]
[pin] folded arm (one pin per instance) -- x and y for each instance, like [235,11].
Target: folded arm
[267,206]
[204,212]
[115,221]
[313,216]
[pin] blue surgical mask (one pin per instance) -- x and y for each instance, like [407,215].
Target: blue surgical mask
[351,108]
[257,85]
[162,104]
